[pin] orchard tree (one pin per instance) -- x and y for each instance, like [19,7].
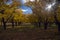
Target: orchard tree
[57,17]
[38,8]
[18,16]
[7,11]
[2,9]
[33,19]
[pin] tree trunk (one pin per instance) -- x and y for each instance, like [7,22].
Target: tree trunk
[35,24]
[39,24]
[39,21]
[46,24]
[4,24]
[59,26]
[58,23]
[12,23]
[19,23]
[16,24]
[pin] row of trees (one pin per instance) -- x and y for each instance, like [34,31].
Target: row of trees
[40,15]
[11,13]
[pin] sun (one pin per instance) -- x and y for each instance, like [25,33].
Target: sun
[32,0]
[50,6]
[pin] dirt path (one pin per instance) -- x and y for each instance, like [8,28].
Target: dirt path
[29,34]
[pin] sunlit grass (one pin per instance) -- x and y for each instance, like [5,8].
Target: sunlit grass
[24,28]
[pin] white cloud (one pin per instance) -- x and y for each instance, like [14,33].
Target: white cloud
[24,10]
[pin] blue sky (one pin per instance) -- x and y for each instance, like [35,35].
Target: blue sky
[9,2]
[22,1]
[25,9]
